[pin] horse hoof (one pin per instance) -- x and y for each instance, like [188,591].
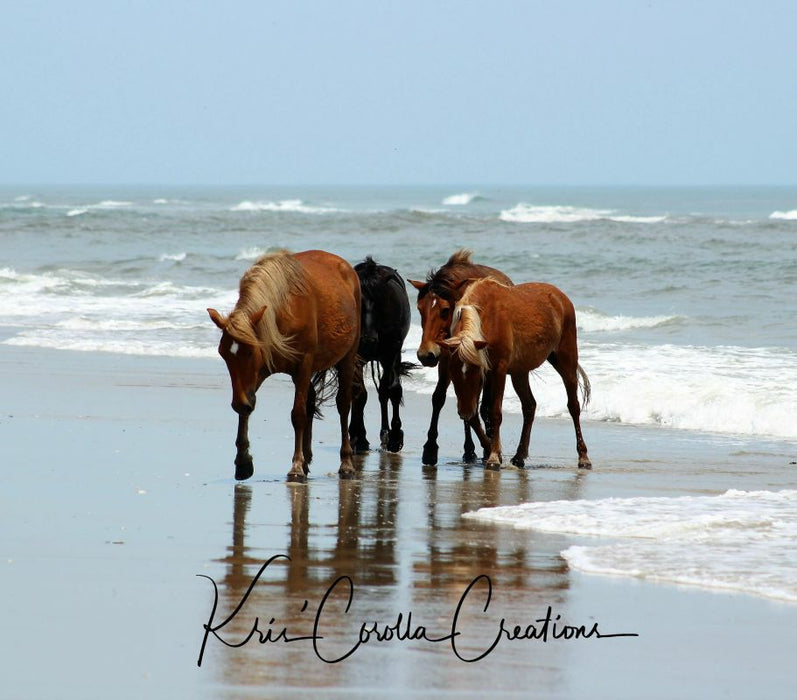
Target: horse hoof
[584,463]
[244,468]
[294,478]
[395,441]
[494,465]
[361,446]
[347,473]
[469,457]
[429,457]
[519,462]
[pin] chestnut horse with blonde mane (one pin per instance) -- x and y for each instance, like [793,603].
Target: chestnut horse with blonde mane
[498,330]
[436,299]
[298,314]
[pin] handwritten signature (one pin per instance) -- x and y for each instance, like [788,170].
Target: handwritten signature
[479,592]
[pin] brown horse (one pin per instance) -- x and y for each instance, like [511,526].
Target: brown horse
[298,314]
[437,297]
[498,330]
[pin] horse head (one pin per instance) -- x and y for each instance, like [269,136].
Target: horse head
[436,306]
[243,355]
[435,313]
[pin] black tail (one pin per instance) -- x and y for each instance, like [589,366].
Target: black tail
[405,369]
[325,385]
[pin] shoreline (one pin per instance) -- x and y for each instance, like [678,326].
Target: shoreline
[119,490]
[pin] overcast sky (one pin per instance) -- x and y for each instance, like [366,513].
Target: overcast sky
[411,91]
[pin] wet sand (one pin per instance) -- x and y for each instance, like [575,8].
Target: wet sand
[116,491]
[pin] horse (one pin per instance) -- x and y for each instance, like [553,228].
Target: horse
[385,323]
[513,330]
[297,314]
[437,297]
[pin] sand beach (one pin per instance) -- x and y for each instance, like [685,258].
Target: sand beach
[120,518]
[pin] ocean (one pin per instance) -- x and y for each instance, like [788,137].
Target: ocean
[686,298]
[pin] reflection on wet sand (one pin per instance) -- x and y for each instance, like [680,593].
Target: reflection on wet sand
[396,544]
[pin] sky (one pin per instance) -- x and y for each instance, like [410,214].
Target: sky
[578,92]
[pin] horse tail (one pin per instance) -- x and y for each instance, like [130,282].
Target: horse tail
[406,368]
[586,387]
[325,384]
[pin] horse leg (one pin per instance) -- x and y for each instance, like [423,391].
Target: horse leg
[244,467]
[395,438]
[484,441]
[438,399]
[521,383]
[384,398]
[499,382]
[307,442]
[566,364]
[357,436]
[486,403]
[468,448]
[346,371]
[301,383]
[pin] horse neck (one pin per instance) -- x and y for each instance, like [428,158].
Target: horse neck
[468,318]
[274,344]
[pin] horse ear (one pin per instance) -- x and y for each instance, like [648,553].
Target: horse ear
[418,285]
[257,315]
[480,344]
[216,317]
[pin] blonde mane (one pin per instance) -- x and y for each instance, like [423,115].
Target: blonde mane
[270,282]
[466,326]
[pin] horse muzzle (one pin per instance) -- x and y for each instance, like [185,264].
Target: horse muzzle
[244,408]
[428,359]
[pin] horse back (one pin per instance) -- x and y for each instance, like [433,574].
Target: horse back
[327,321]
[524,323]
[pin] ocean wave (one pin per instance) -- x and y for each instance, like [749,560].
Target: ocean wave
[560,214]
[295,206]
[172,257]
[253,253]
[462,199]
[725,389]
[120,344]
[738,541]
[111,204]
[784,215]
[22,204]
[592,321]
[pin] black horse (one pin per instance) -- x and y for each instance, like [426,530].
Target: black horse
[385,323]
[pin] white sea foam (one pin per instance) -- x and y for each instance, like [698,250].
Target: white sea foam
[743,541]
[172,257]
[558,214]
[252,253]
[592,321]
[77,212]
[784,215]
[461,199]
[75,311]
[286,205]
